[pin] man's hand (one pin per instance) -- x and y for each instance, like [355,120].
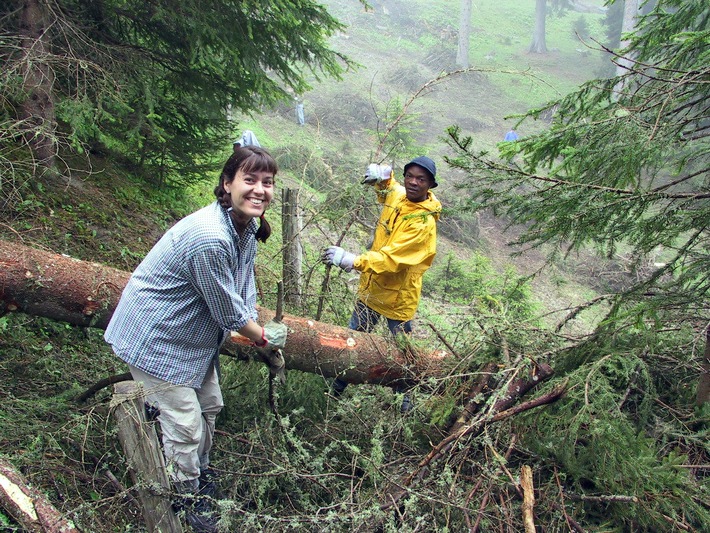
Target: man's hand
[335,255]
[376,173]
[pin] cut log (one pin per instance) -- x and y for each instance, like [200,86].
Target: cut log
[29,507]
[82,293]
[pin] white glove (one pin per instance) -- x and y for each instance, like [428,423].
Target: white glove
[274,333]
[376,173]
[335,255]
[273,338]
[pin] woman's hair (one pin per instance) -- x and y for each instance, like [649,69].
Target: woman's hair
[247,159]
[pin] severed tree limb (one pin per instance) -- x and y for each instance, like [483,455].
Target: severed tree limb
[101,384]
[28,506]
[515,390]
[473,403]
[526,482]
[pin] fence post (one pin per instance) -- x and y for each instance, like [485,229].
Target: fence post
[144,457]
[292,249]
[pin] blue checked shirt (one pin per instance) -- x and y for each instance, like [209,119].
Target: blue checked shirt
[193,287]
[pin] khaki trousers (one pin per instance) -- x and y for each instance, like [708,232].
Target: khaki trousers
[187,421]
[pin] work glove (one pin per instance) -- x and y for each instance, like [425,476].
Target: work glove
[273,339]
[376,173]
[335,255]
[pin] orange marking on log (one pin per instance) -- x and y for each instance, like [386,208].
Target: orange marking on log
[336,342]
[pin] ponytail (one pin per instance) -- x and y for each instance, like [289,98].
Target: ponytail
[264,231]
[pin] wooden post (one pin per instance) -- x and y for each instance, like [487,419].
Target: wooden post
[146,463]
[526,483]
[292,248]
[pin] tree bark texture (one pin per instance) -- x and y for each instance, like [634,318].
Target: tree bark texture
[146,463]
[38,78]
[55,286]
[631,13]
[29,507]
[292,249]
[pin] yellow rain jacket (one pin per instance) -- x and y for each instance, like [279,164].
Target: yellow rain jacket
[403,249]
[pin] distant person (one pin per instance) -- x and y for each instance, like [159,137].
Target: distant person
[511,135]
[403,249]
[248,138]
[194,287]
[300,114]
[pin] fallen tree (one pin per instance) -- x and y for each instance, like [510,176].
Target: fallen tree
[82,293]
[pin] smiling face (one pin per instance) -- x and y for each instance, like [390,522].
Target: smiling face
[251,193]
[417,182]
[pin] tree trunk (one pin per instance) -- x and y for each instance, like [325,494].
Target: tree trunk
[464,33]
[85,294]
[38,78]
[631,12]
[292,249]
[538,45]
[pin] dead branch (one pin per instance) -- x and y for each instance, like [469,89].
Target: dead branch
[515,390]
[28,506]
[526,482]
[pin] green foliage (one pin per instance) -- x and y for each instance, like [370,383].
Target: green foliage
[476,283]
[593,436]
[153,81]
[602,174]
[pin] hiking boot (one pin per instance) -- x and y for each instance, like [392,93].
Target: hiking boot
[198,510]
[209,485]
[338,387]
[201,517]
[407,404]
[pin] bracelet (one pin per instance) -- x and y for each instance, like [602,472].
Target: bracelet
[262,342]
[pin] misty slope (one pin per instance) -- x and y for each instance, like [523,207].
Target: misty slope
[402,48]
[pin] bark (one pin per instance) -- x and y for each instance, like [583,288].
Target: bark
[631,13]
[464,33]
[292,248]
[30,508]
[85,294]
[144,458]
[38,78]
[538,45]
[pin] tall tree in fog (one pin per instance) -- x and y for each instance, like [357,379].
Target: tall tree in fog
[538,45]
[464,33]
[631,13]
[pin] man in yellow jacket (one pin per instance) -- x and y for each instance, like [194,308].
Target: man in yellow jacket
[403,249]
